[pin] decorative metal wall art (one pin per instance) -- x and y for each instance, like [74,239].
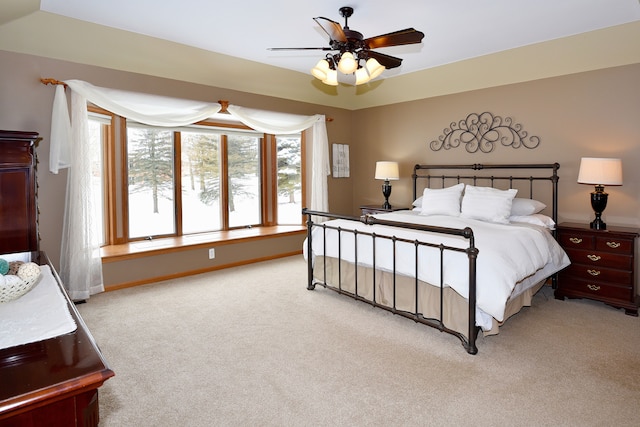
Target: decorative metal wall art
[483,132]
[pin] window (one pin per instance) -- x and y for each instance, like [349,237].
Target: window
[198,179]
[245,201]
[201,186]
[218,166]
[150,182]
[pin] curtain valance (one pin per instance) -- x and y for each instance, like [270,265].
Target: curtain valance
[155,110]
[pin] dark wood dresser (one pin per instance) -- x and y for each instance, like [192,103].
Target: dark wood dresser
[603,265]
[53,382]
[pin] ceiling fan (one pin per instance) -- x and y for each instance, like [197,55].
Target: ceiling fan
[354,52]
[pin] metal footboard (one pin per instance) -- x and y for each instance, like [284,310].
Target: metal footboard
[468,341]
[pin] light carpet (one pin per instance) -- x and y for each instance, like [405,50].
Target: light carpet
[252,346]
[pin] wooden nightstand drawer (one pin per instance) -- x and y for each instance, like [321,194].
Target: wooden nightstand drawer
[596,289]
[585,272]
[609,244]
[598,258]
[576,240]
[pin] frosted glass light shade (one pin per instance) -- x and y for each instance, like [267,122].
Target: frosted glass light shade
[362,76]
[373,68]
[332,78]
[600,171]
[387,171]
[321,69]
[348,63]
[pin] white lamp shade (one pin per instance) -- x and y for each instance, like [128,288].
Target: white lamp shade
[348,63]
[373,68]
[332,78]
[362,76]
[600,171]
[387,170]
[321,69]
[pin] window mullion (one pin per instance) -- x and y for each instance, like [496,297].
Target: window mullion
[272,189]
[224,182]
[124,173]
[177,174]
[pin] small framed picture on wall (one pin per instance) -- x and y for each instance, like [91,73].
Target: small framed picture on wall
[340,161]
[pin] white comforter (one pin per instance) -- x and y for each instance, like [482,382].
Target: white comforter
[508,254]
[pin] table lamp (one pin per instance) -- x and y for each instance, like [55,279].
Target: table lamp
[387,171]
[599,172]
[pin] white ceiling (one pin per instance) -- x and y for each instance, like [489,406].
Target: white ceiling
[455,30]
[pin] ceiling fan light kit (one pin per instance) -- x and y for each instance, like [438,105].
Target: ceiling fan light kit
[355,54]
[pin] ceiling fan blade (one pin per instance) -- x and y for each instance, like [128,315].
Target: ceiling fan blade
[397,38]
[332,28]
[300,48]
[386,60]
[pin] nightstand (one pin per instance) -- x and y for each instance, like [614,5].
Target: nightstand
[375,209]
[602,265]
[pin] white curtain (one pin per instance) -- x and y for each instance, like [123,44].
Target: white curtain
[80,263]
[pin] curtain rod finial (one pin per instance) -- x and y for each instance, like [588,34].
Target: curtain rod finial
[52,82]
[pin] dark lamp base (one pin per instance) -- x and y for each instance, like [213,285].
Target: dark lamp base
[386,192]
[598,204]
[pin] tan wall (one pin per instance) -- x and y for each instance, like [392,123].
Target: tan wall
[592,114]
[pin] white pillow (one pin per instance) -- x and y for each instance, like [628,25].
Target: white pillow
[522,207]
[536,219]
[487,204]
[417,202]
[442,201]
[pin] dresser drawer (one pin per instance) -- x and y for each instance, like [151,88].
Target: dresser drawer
[600,258]
[600,274]
[595,289]
[577,240]
[613,244]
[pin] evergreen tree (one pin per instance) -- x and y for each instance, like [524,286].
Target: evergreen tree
[243,155]
[150,154]
[203,165]
[289,167]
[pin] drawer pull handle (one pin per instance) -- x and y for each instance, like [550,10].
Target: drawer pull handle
[594,272]
[594,257]
[593,287]
[576,240]
[613,245]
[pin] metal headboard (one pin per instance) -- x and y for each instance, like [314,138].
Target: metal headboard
[424,172]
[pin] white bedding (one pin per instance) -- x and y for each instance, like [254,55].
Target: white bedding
[509,254]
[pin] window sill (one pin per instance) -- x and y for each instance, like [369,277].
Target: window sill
[140,249]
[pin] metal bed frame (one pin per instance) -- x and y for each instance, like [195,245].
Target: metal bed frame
[422,173]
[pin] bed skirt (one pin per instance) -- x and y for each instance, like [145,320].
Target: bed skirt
[455,307]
